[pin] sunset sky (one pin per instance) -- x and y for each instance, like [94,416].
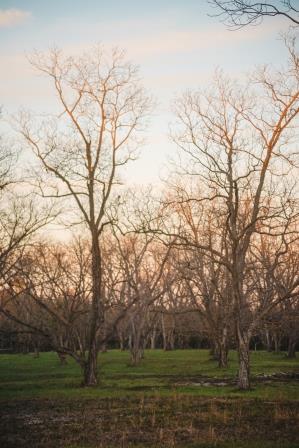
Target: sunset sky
[176,44]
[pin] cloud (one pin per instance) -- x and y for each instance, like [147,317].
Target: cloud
[12,17]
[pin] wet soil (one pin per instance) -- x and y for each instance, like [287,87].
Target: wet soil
[145,421]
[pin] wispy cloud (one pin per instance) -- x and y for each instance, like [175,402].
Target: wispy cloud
[185,41]
[12,17]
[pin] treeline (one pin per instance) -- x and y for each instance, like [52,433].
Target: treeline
[169,330]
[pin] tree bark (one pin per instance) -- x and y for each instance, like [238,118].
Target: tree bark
[90,368]
[244,358]
[223,350]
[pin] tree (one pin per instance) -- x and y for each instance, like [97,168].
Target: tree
[52,296]
[240,145]
[82,150]
[147,278]
[239,13]
[275,270]
[20,219]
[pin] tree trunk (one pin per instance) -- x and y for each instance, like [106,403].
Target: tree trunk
[136,348]
[153,339]
[136,356]
[291,348]
[268,341]
[276,343]
[130,344]
[244,366]
[97,317]
[121,343]
[136,351]
[223,349]
[90,368]
[168,333]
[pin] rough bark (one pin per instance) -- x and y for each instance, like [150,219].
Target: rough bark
[223,350]
[244,361]
[90,368]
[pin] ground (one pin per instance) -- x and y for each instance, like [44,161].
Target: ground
[173,399]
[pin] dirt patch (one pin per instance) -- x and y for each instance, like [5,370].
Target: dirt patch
[220,382]
[145,421]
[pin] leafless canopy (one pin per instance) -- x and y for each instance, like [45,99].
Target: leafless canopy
[239,13]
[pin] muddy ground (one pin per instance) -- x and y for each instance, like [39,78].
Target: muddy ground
[144,421]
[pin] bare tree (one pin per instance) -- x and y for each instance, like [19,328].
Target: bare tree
[82,150]
[148,277]
[276,265]
[51,298]
[239,13]
[238,145]
[20,218]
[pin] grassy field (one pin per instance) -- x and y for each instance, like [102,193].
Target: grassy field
[173,399]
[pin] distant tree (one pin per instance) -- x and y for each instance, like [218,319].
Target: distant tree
[20,218]
[147,277]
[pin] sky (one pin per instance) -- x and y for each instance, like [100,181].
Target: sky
[178,44]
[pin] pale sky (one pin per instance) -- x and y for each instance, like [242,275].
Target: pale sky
[175,43]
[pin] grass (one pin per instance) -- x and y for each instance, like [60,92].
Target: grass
[169,400]
[166,373]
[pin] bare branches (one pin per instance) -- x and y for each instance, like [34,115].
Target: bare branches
[82,150]
[239,13]
[240,142]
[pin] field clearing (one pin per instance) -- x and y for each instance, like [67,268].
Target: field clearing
[173,399]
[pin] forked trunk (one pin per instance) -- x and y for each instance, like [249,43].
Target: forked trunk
[136,350]
[136,356]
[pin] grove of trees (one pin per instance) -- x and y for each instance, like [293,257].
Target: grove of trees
[210,261]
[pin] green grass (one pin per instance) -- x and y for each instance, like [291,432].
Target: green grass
[163,373]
